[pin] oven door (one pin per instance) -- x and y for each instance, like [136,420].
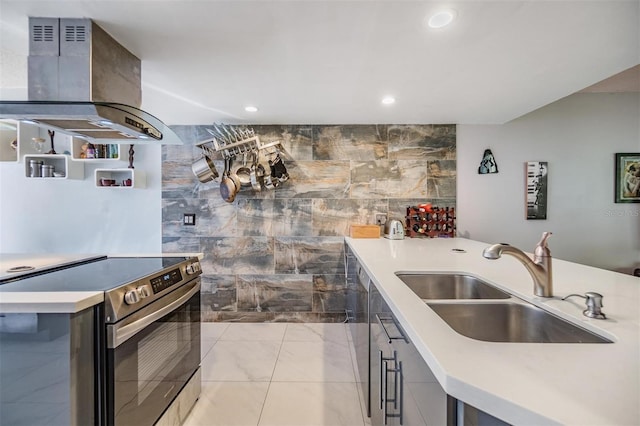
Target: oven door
[151,355]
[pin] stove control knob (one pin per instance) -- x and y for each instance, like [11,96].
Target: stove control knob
[131,297]
[143,291]
[192,268]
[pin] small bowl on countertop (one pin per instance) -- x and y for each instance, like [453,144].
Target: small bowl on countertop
[58,174]
[107,182]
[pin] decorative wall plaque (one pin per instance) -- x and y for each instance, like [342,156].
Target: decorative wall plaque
[537,189]
[488,163]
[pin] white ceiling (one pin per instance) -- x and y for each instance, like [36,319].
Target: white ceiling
[332,61]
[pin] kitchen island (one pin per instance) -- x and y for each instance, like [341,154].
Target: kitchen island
[71,333]
[520,383]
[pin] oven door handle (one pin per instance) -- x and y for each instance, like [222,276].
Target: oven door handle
[119,333]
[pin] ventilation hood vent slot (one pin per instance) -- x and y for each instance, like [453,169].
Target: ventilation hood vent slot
[42,33]
[74,33]
[84,83]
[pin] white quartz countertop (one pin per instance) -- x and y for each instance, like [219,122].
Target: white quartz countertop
[520,383]
[55,301]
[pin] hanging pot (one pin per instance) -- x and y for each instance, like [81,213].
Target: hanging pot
[204,169]
[228,188]
[253,175]
[278,169]
[234,177]
[244,173]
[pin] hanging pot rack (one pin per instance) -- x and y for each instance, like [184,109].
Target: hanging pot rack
[231,142]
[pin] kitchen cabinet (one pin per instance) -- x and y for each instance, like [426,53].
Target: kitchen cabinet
[411,346]
[48,375]
[404,391]
[358,319]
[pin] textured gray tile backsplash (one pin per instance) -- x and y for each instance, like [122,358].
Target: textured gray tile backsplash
[277,255]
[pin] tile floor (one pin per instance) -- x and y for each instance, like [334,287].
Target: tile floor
[277,374]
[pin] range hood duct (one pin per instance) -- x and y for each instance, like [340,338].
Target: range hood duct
[84,83]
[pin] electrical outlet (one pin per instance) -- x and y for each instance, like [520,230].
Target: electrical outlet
[381,218]
[189,219]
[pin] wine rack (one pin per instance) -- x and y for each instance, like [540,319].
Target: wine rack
[427,221]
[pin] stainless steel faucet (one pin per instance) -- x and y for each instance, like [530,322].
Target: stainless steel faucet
[539,268]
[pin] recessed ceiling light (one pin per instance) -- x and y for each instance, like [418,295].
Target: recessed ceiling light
[441,19]
[251,108]
[388,100]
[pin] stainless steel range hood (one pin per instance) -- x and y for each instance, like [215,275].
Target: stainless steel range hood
[98,122]
[84,83]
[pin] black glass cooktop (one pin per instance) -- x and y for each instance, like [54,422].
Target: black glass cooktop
[99,275]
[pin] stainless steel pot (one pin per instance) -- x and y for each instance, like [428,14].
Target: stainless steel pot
[204,169]
[244,173]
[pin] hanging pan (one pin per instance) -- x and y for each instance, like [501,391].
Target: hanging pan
[228,188]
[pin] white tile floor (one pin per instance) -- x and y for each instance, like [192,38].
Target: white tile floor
[277,374]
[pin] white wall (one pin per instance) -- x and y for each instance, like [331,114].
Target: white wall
[73,216]
[578,136]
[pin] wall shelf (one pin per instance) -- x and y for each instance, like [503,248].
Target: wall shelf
[61,164]
[120,176]
[106,152]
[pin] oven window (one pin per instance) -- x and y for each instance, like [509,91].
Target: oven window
[150,369]
[159,353]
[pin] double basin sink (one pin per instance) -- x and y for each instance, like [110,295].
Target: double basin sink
[498,318]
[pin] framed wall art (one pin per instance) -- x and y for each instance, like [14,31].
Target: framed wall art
[537,183]
[627,177]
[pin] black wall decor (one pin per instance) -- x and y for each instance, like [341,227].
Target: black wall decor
[488,163]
